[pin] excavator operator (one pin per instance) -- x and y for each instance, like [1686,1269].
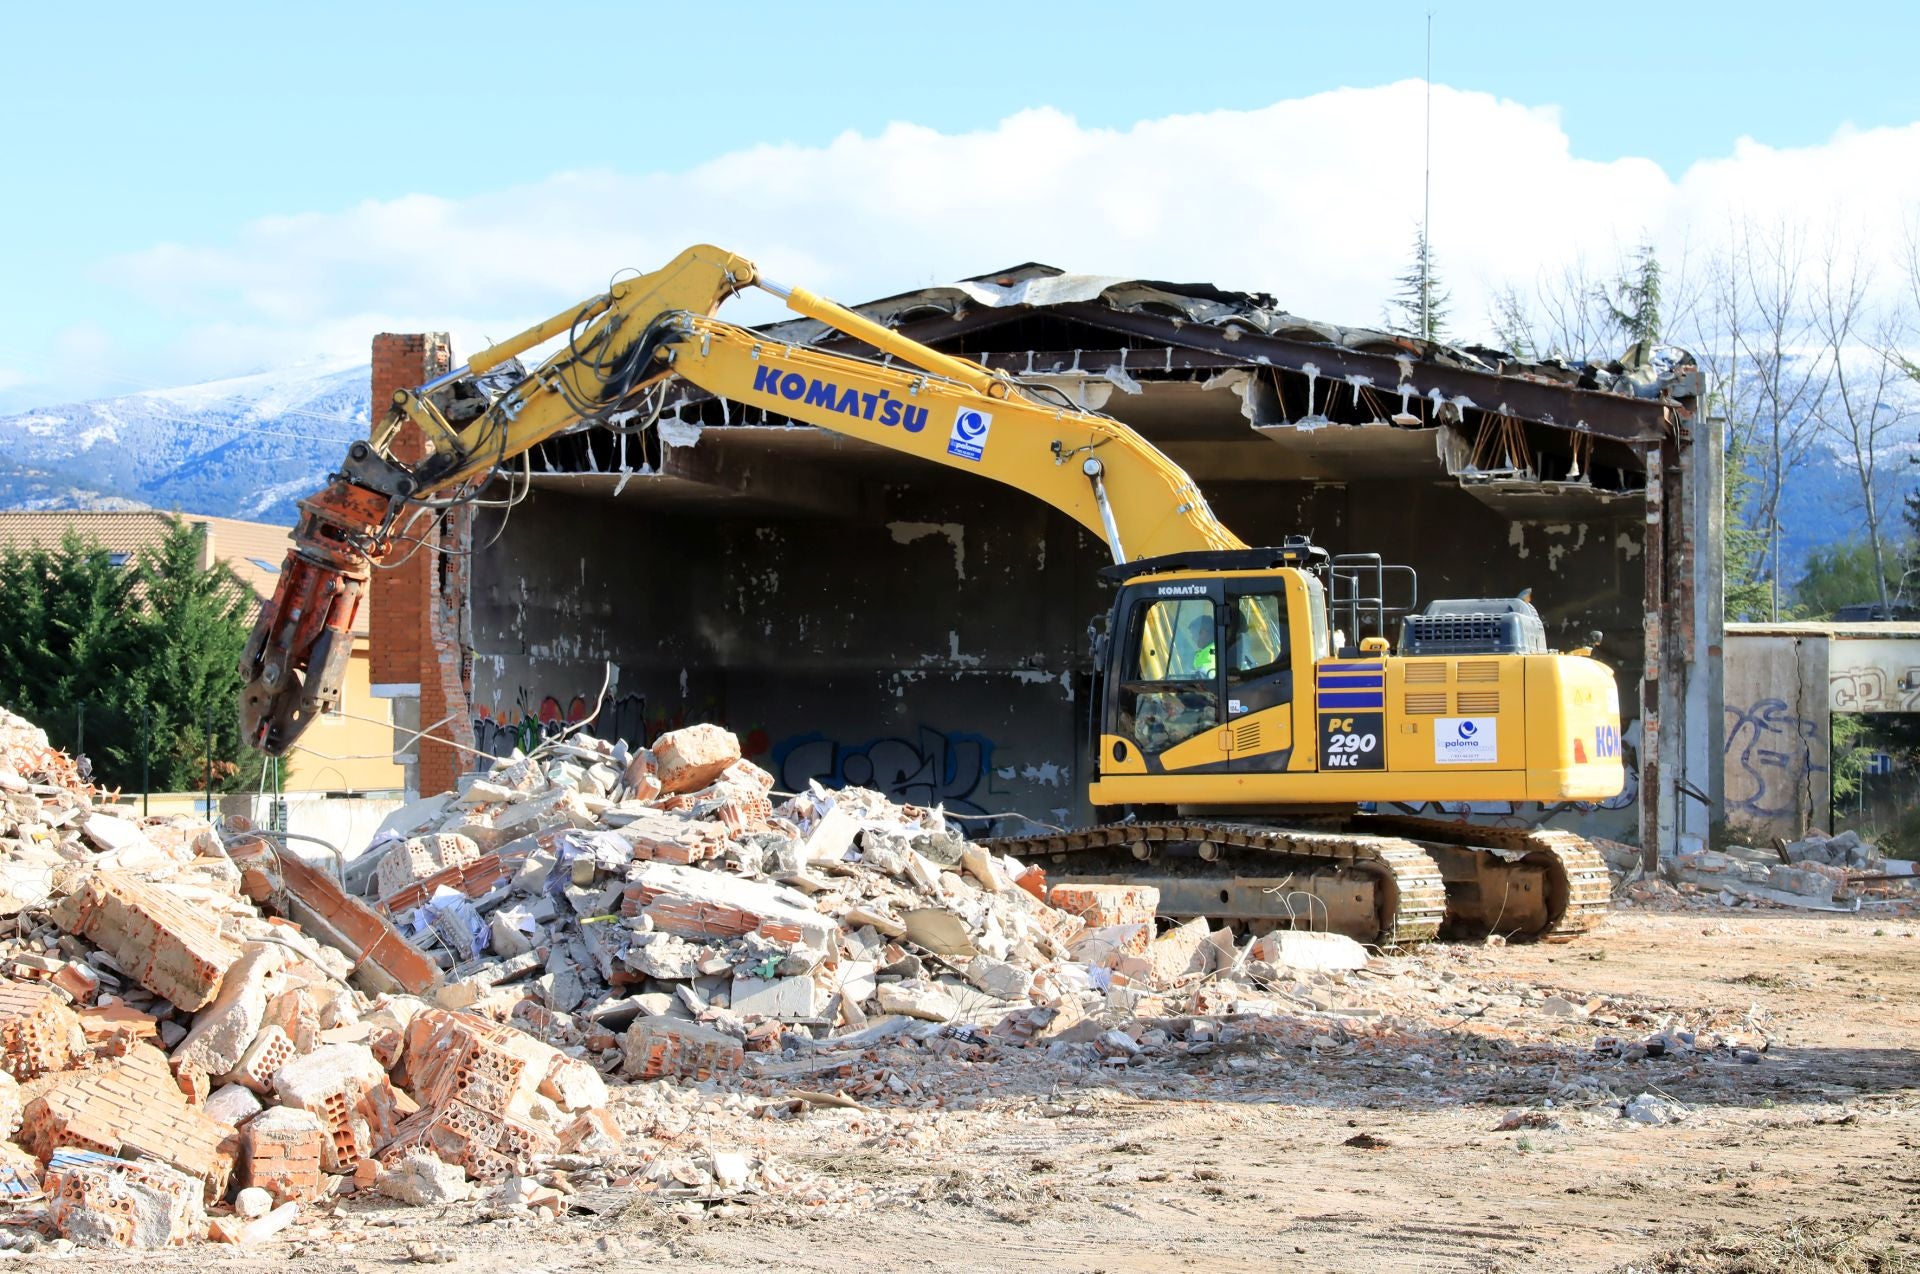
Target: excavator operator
[1202,661]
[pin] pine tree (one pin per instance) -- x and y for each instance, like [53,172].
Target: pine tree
[69,653]
[1633,302]
[193,627]
[1421,293]
[98,652]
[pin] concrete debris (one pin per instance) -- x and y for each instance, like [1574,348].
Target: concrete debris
[1321,952]
[1819,873]
[1649,1109]
[97,1200]
[421,1179]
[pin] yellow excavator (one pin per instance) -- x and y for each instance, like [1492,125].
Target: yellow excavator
[1247,722]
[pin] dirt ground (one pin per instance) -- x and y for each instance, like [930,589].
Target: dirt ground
[1375,1145]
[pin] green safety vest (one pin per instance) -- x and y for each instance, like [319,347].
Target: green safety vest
[1203,661]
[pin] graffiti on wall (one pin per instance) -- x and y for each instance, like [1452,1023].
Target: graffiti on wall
[1773,757]
[930,767]
[531,721]
[933,767]
[1871,689]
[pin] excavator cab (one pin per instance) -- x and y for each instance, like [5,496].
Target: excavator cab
[1205,653]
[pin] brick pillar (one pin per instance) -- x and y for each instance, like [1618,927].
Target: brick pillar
[398,597]
[418,607]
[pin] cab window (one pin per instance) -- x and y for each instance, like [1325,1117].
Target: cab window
[1256,635]
[1177,642]
[1172,693]
[1259,654]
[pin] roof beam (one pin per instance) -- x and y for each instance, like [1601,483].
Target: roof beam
[1559,406]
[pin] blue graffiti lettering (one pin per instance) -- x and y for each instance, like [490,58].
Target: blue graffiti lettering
[1775,756]
[937,768]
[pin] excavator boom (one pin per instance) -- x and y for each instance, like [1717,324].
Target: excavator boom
[620,344]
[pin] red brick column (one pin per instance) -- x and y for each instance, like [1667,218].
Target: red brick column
[417,607]
[398,597]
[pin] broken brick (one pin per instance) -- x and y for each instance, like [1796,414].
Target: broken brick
[419,857]
[384,958]
[658,1047]
[692,758]
[347,1089]
[692,903]
[474,879]
[164,944]
[37,1029]
[222,1030]
[132,1105]
[1101,906]
[270,1050]
[283,1150]
[96,1200]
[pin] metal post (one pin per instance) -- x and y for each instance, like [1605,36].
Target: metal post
[1426,204]
[80,728]
[209,763]
[146,767]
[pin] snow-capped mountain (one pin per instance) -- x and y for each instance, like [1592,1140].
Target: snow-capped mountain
[249,447]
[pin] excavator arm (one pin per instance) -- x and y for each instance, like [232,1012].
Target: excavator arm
[620,344]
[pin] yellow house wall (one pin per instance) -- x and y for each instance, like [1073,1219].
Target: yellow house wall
[352,751]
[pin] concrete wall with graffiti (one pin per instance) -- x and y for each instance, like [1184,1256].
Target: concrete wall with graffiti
[1779,736]
[1784,683]
[932,639]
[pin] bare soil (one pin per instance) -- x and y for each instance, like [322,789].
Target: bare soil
[1369,1149]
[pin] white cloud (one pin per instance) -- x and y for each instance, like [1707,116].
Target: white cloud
[1314,200]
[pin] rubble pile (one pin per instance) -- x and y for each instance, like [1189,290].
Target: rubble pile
[1820,873]
[202,1034]
[656,909]
[178,1064]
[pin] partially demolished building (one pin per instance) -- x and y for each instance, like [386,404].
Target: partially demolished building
[860,617]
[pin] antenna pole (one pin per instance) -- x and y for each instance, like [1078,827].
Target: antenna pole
[1426,207]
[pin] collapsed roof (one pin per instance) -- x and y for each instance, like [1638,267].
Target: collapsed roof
[1208,374]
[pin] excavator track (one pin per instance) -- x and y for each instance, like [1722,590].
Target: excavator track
[1384,890]
[1576,887]
[1388,881]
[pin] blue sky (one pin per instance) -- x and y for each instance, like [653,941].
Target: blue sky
[137,127]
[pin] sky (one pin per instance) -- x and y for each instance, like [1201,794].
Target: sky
[205,189]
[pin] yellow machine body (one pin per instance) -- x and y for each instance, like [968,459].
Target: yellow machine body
[1276,720]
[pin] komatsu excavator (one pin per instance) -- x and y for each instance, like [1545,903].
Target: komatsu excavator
[1244,719]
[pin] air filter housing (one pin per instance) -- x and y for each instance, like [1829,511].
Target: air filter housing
[1475,626]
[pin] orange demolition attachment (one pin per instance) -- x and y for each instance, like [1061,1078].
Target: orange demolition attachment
[308,625]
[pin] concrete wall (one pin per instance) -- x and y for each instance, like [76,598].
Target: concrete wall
[1784,682]
[1866,674]
[1779,736]
[938,651]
